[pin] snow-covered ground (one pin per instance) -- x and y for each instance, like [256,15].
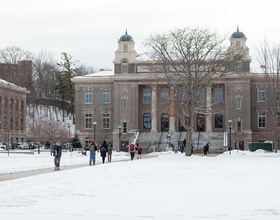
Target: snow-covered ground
[240,186]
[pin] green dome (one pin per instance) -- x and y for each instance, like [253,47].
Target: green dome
[238,34]
[126,37]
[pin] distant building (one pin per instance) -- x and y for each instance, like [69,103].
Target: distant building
[12,112]
[126,105]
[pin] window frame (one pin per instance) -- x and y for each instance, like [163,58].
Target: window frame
[261,120]
[147,96]
[88,120]
[218,94]
[124,67]
[238,103]
[261,94]
[88,97]
[147,121]
[216,118]
[106,121]
[106,96]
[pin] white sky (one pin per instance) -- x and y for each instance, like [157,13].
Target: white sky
[243,185]
[89,30]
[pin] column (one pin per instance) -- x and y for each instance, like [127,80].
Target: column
[172,112]
[154,109]
[208,106]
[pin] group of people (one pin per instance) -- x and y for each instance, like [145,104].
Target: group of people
[105,148]
[132,150]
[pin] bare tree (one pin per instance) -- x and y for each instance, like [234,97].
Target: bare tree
[44,75]
[189,59]
[13,54]
[269,60]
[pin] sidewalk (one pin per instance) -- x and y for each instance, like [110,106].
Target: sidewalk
[17,175]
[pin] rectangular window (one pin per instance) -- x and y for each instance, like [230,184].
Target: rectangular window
[125,127]
[261,94]
[88,119]
[261,119]
[124,103]
[182,94]
[124,67]
[88,97]
[147,95]
[278,119]
[106,96]
[165,93]
[200,95]
[218,94]
[106,121]
[238,103]
[239,126]
[218,121]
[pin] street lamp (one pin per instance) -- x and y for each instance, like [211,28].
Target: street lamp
[94,130]
[120,129]
[230,127]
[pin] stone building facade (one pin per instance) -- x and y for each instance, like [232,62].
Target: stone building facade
[127,104]
[12,112]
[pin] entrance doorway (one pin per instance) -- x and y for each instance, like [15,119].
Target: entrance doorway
[164,121]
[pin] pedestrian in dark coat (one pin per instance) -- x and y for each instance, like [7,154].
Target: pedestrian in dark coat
[206,149]
[103,151]
[57,153]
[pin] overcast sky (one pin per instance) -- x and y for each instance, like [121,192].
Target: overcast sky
[89,29]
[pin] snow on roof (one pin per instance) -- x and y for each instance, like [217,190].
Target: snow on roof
[6,84]
[98,74]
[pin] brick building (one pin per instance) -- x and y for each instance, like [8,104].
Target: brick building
[125,105]
[12,112]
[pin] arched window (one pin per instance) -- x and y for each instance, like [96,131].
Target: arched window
[147,121]
[124,66]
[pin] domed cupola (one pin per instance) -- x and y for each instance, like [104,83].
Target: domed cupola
[126,37]
[238,34]
[125,54]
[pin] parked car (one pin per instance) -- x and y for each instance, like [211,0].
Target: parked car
[3,146]
[23,146]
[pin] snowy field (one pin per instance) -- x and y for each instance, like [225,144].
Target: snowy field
[240,186]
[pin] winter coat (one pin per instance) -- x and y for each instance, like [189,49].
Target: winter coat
[57,150]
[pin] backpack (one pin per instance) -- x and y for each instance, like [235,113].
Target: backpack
[103,149]
[131,147]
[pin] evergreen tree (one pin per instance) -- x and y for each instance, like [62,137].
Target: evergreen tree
[76,142]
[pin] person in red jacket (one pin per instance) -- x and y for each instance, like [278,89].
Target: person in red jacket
[132,150]
[139,151]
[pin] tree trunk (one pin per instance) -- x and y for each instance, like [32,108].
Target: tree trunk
[188,141]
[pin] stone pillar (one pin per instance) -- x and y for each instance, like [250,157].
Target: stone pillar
[208,105]
[154,109]
[172,113]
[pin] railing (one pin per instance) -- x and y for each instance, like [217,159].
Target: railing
[136,135]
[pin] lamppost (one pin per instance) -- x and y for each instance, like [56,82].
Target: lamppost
[94,130]
[120,129]
[230,127]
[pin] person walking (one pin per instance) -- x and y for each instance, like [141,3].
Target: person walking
[139,151]
[110,151]
[132,151]
[103,150]
[57,153]
[92,152]
[206,149]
